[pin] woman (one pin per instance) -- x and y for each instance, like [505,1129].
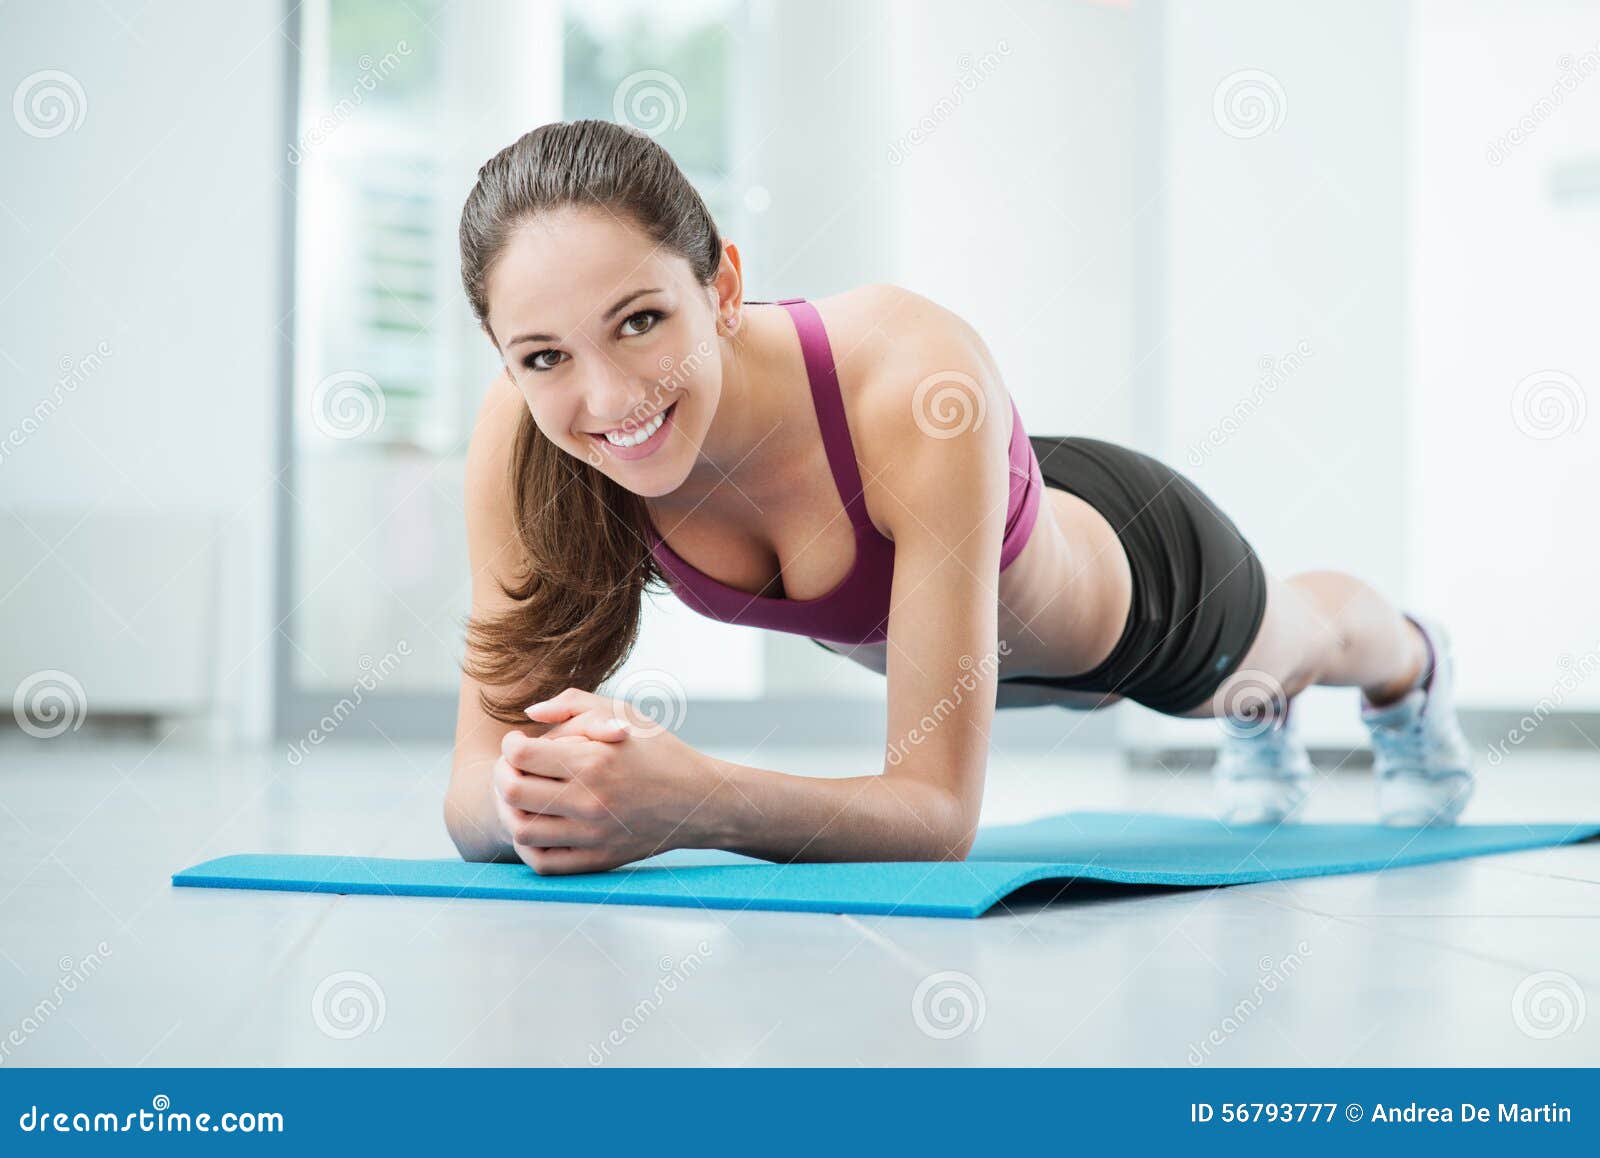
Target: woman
[794,466]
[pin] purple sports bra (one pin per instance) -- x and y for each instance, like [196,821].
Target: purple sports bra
[856,611]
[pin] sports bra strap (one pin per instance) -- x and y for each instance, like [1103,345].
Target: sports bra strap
[829,404]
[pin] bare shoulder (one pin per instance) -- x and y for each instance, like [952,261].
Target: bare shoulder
[494,431]
[922,393]
[490,521]
[888,326]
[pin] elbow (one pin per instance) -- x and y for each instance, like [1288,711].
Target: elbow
[959,843]
[471,842]
[955,826]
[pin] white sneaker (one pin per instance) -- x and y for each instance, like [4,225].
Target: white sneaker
[1262,774]
[1422,762]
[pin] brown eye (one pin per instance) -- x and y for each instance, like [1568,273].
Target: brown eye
[651,316]
[533,360]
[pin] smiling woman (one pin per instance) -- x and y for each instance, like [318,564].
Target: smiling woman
[644,398]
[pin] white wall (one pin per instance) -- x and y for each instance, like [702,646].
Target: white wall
[151,227]
[1292,234]
[1015,133]
[1503,291]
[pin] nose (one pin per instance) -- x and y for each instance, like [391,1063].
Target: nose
[611,397]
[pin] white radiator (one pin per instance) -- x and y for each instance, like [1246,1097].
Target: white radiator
[107,611]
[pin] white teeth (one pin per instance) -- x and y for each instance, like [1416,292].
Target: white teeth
[639,435]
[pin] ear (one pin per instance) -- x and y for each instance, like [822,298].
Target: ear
[729,282]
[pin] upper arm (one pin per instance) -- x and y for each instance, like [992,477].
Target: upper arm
[942,493]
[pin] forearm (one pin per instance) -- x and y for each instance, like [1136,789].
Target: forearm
[470,817]
[782,817]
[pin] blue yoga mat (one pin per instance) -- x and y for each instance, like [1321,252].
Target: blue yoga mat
[1123,848]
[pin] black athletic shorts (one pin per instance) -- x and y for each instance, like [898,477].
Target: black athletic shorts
[1199,592]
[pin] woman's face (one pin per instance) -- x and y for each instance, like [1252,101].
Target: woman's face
[612,342]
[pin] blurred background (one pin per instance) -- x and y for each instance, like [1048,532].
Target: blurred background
[1335,261]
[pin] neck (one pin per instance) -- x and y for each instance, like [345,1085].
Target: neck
[743,445]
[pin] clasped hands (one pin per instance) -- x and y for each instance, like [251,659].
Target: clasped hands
[601,787]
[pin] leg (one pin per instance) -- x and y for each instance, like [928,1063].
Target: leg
[1328,628]
[1323,627]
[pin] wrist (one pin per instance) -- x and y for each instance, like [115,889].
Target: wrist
[719,820]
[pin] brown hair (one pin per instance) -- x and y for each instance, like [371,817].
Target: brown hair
[584,537]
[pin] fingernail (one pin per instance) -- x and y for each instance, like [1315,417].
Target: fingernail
[535,707]
[618,722]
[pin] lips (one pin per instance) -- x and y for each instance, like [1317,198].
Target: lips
[602,434]
[641,449]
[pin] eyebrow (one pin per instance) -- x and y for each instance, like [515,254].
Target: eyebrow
[605,317]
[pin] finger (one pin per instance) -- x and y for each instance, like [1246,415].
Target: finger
[540,755]
[528,793]
[534,831]
[601,726]
[563,861]
[561,706]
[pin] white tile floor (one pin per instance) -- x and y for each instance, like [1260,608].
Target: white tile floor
[1413,966]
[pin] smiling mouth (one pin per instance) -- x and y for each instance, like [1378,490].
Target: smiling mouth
[638,434]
